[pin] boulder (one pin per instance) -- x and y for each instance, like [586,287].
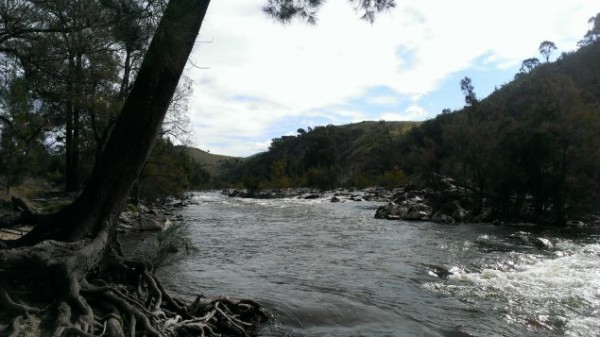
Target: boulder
[541,243]
[575,223]
[166,224]
[150,225]
[154,225]
[418,212]
[142,209]
[484,216]
[404,211]
[460,214]
[390,210]
[451,209]
[335,199]
[441,217]
[127,218]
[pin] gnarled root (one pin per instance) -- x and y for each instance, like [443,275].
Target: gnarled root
[119,298]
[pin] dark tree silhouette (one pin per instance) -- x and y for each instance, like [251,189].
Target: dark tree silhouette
[75,277]
[546,48]
[529,64]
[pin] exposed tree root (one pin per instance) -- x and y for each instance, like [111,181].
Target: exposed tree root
[118,298]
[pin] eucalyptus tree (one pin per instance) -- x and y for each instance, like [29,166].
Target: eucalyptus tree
[306,10]
[77,280]
[529,64]
[593,34]
[546,48]
[466,86]
[80,57]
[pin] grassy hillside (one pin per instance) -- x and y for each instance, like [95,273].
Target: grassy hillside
[215,164]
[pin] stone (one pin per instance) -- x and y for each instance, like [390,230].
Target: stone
[418,212]
[575,223]
[441,217]
[453,210]
[541,243]
[150,225]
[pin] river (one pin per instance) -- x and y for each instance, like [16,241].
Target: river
[331,269]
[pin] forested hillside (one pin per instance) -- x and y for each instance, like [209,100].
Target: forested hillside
[327,156]
[529,150]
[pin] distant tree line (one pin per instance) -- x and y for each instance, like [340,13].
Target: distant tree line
[325,157]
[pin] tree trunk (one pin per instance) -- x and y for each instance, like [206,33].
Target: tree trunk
[70,183]
[71,261]
[135,130]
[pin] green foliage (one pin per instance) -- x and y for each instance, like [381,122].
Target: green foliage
[78,70]
[528,150]
[22,149]
[306,10]
[170,171]
[322,178]
[325,156]
[172,244]
[252,183]
[468,90]
[279,178]
[546,48]
[393,178]
[529,64]
[592,35]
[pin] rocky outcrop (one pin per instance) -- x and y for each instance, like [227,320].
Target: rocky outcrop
[404,211]
[144,218]
[423,205]
[451,212]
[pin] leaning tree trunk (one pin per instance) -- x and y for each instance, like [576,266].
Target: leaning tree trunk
[135,131]
[68,269]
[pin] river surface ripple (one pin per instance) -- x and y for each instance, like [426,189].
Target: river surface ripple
[331,269]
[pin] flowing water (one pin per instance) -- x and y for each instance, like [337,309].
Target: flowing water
[331,269]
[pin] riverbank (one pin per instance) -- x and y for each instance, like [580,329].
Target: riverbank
[145,216]
[457,205]
[449,204]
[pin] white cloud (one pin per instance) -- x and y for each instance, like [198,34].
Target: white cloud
[299,71]
[412,113]
[383,100]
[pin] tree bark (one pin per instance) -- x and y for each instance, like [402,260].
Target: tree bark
[135,130]
[69,272]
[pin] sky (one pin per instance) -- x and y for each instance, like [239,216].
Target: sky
[254,79]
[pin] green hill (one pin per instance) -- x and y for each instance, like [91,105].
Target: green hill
[530,150]
[352,154]
[215,164]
